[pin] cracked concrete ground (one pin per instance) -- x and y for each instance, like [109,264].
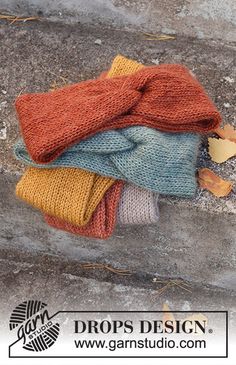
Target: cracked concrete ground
[65,286]
[61,290]
[196,247]
[194,240]
[51,279]
[35,56]
[62,285]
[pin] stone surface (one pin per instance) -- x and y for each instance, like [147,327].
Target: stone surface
[65,286]
[199,18]
[195,239]
[193,245]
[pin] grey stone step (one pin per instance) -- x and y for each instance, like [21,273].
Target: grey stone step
[195,239]
[60,283]
[199,18]
[63,285]
[186,243]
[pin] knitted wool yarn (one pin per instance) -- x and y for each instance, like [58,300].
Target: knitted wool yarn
[103,219]
[137,206]
[165,97]
[69,194]
[158,161]
[123,66]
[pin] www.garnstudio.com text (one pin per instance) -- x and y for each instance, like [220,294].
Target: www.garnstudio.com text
[163,342]
[144,327]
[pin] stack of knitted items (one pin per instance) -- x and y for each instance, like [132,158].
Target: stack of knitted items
[100,151]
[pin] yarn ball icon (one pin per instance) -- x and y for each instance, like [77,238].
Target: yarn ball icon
[34,326]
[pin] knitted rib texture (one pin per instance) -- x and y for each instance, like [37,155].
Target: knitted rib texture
[165,97]
[161,162]
[69,194]
[137,206]
[122,66]
[103,220]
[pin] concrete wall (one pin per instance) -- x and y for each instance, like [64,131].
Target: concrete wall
[198,18]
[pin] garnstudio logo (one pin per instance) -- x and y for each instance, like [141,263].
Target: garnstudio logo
[34,325]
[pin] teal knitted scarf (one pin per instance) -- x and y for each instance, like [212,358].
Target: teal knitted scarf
[158,161]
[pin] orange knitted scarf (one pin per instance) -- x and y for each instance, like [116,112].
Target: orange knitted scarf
[165,97]
[103,220]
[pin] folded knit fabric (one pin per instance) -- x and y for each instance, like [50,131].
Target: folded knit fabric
[69,194]
[158,161]
[137,206]
[165,97]
[103,220]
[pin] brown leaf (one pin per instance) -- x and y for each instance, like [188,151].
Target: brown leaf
[227,132]
[221,150]
[209,180]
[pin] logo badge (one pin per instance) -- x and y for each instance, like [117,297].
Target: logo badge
[34,325]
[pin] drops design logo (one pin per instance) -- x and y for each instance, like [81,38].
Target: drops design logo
[34,326]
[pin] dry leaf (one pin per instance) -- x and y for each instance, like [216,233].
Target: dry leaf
[221,150]
[212,182]
[196,317]
[227,132]
[168,316]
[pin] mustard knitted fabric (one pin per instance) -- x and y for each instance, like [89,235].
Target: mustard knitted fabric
[70,194]
[123,66]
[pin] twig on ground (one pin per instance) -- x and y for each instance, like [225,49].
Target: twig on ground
[57,84]
[105,267]
[158,37]
[14,18]
[170,284]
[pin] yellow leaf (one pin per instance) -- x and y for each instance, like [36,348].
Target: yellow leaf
[227,132]
[168,316]
[196,317]
[212,182]
[221,150]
